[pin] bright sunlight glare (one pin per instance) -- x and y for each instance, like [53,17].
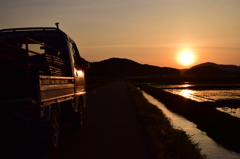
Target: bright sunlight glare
[186,57]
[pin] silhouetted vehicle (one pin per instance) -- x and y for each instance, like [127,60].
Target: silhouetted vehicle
[42,79]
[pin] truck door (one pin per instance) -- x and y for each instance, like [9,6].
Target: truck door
[78,70]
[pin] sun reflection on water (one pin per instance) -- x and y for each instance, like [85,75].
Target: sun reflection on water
[186,85]
[211,94]
[186,93]
[206,95]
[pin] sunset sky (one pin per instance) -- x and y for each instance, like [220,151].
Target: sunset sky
[146,31]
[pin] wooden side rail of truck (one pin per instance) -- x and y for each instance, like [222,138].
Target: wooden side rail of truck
[42,79]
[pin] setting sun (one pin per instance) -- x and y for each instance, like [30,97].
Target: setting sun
[186,57]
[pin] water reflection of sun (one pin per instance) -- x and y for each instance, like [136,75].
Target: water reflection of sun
[186,85]
[186,93]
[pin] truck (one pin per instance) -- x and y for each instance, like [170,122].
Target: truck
[42,79]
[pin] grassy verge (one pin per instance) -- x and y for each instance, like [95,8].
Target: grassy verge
[167,142]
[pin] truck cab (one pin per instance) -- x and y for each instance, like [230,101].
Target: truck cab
[42,79]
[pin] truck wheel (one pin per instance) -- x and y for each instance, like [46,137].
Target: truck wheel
[77,119]
[53,130]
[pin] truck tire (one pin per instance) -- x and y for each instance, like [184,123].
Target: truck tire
[77,118]
[53,131]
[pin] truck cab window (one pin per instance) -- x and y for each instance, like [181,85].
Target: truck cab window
[76,56]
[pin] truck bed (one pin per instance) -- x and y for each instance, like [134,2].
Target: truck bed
[22,70]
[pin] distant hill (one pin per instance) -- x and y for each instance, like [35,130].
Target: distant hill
[212,69]
[229,68]
[205,71]
[118,67]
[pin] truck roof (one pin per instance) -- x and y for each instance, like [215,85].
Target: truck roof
[29,29]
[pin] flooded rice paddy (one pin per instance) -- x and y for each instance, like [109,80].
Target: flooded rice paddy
[208,146]
[207,93]
[235,112]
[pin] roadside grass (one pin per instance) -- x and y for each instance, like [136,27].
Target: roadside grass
[167,142]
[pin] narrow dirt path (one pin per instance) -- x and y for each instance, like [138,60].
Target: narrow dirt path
[110,128]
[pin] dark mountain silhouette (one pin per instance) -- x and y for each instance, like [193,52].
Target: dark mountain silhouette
[205,71]
[229,68]
[117,67]
[212,69]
